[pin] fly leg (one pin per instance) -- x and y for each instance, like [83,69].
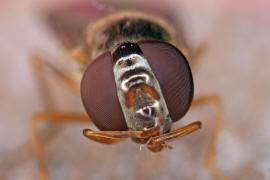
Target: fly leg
[157,143]
[193,55]
[52,118]
[110,137]
[41,70]
[210,160]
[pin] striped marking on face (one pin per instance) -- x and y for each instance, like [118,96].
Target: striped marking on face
[138,90]
[134,80]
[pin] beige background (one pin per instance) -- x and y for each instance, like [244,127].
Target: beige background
[236,67]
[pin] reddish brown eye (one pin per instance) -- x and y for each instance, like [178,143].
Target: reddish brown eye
[99,96]
[173,73]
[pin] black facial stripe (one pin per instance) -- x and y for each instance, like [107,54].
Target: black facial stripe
[134,72]
[124,50]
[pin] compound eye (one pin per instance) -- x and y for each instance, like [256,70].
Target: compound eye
[173,73]
[99,96]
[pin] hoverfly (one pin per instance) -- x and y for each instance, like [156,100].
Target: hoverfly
[142,70]
[133,78]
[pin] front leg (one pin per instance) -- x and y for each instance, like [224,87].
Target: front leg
[110,137]
[211,160]
[157,143]
[52,118]
[42,69]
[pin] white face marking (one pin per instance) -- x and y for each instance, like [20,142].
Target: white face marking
[143,113]
[138,62]
[145,129]
[125,85]
[149,109]
[156,104]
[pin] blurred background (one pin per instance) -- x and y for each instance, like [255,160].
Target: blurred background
[235,66]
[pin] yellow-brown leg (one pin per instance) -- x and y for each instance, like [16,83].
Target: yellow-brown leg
[40,66]
[52,118]
[158,142]
[194,55]
[41,69]
[110,137]
[210,160]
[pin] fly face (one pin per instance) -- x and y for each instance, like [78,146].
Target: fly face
[138,90]
[121,88]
